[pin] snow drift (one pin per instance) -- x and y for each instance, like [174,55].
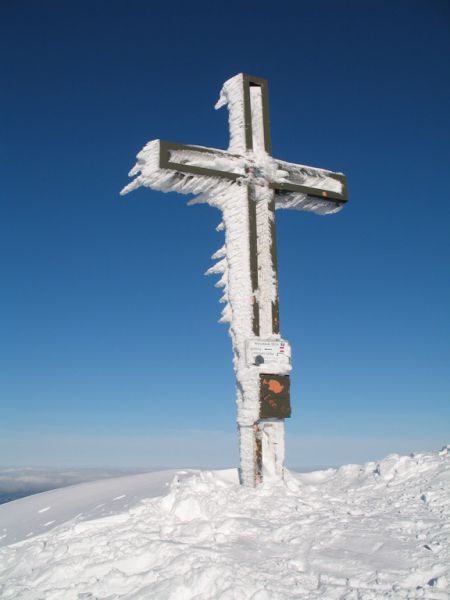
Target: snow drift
[381,530]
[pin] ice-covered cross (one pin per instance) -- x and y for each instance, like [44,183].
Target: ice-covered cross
[247,185]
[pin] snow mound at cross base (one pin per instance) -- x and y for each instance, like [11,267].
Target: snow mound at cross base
[381,530]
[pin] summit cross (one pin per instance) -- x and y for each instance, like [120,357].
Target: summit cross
[247,184]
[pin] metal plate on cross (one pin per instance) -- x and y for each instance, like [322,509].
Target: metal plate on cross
[274,393]
[261,352]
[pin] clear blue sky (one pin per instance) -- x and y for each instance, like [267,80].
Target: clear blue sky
[110,352]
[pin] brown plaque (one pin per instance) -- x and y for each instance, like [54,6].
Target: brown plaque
[275,397]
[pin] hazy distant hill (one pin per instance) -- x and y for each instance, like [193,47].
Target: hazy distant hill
[18,482]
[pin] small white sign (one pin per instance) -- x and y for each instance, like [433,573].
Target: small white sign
[261,351]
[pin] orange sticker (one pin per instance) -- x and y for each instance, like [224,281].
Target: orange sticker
[274,386]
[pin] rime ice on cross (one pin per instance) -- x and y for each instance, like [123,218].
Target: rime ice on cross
[247,185]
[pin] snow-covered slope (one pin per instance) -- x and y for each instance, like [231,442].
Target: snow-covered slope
[381,530]
[39,513]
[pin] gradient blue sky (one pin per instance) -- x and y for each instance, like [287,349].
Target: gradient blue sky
[110,352]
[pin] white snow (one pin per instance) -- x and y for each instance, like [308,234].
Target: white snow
[22,518]
[232,96]
[380,530]
[267,281]
[149,174]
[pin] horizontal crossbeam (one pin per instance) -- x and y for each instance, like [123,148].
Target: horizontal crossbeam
[195,160]
[316,192]
[167,149]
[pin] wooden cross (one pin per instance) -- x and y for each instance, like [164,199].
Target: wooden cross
[247,184]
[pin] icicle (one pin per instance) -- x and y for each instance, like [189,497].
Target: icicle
[296,201]
[221,252]
[149,174]
[226,315]
[219,267]
[222,281]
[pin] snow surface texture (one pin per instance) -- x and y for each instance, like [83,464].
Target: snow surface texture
[377,531]
[31,516]
[255,169]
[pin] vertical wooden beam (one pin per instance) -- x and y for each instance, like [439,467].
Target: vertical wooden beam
[247,115]
[266,431]
[253,246]
[262,84]
[273,254]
